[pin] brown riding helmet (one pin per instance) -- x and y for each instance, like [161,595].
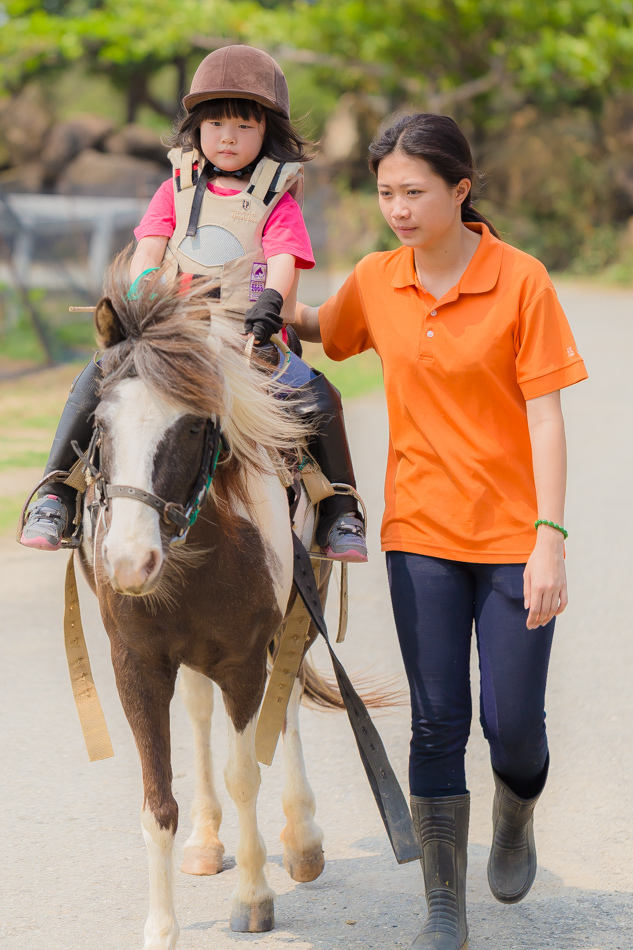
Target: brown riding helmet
[240,72]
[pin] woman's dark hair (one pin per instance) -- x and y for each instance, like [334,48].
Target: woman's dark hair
[439,141]
[282,142]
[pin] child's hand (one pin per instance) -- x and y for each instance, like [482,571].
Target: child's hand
[264,317]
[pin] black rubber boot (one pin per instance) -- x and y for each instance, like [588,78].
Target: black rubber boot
[442,827]
[45,526]
[329,449]
[512,861]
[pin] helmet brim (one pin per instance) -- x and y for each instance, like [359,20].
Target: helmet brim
[193,99]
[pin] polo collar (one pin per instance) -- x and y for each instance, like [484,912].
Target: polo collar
[480,276]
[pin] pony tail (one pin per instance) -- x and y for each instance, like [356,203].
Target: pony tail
[471,214]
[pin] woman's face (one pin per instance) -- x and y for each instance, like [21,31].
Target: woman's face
[418,205]
[231,143]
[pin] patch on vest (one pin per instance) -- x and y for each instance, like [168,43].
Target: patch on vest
[212,245]
[258,280]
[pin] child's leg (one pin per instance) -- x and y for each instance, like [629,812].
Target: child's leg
[340,531]
[53,511]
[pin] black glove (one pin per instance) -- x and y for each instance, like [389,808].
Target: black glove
[264,317]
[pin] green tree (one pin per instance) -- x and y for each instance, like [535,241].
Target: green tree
[127,40]
[570,49]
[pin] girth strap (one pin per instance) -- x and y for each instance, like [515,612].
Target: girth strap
[384,784]
[89,709]
[293,640]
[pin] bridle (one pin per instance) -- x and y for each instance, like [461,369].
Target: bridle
[182,517]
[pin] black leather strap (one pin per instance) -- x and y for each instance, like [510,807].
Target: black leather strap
[196,204]
[384,784]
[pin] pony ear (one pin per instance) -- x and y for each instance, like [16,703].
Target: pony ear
[107,324]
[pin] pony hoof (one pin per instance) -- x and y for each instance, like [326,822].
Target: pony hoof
[304,867]
[198,860]
[252,918]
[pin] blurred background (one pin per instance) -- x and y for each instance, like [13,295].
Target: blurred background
[90,88]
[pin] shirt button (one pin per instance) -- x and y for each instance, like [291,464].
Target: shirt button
[430,333]
[433,313]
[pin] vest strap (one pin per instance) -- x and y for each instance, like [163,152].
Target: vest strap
[196,204]
[274,185]
[185,179]
[265,180]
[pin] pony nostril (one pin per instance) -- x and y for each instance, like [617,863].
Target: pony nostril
[150,564]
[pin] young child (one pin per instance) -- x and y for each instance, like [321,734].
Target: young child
[228,212]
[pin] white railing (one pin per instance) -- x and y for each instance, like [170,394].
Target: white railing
[30,217]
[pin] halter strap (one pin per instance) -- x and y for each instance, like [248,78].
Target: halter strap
[183,517]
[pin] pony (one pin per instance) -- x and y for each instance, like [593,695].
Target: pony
[178,401]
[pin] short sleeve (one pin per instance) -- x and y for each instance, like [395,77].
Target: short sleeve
[160,218]
[343,322]
[547,358]
[285,232]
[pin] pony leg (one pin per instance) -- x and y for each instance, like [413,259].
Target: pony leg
[145,695]
[203,849]
[252,910]
[302,838]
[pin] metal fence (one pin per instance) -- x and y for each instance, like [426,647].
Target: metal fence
[59,242]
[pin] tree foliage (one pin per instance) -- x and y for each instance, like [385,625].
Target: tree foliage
[127,40]
[562,48]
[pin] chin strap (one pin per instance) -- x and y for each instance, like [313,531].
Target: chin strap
[247,170]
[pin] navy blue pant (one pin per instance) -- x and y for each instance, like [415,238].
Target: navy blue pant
[435,602]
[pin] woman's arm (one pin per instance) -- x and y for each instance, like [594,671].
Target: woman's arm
[149,252]
[306,323]
[544,581]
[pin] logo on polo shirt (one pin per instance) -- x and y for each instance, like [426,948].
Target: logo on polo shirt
[570,351]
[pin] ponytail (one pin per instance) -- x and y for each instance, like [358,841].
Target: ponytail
[471,214]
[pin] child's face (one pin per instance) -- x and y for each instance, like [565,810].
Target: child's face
[231,143]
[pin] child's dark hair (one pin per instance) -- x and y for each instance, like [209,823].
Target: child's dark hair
[439,141]
[282,142]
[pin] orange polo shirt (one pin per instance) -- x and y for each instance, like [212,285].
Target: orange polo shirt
[457,372]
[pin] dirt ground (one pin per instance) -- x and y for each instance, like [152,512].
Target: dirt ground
[74,872]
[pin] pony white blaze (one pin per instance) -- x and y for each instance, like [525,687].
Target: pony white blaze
[137,419]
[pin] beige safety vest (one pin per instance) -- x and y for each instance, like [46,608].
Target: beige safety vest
[227,241]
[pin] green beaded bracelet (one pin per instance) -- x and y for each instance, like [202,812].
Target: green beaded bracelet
[552,524]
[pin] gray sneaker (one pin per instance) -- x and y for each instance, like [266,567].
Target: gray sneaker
[46,524]
[346,540]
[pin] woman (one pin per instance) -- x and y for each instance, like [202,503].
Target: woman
[475,350]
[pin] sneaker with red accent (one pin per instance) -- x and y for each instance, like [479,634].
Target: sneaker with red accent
[346,540]
[46,524]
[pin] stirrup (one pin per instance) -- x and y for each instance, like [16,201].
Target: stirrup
[58,476]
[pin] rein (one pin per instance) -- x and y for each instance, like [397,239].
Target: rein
[182,517]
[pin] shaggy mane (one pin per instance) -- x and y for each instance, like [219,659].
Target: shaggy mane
[196,361]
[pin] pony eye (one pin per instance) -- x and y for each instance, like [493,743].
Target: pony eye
[196,428]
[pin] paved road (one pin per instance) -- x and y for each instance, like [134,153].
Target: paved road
[74,870]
